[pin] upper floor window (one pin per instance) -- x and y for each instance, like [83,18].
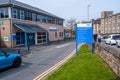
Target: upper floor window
[22,15]
[4,13]
[39,18]
[33,17]
[15,13]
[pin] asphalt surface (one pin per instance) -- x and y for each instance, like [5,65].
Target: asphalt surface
[35,63]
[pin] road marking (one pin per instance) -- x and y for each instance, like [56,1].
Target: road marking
[22,64]
[55,67]
[62,45]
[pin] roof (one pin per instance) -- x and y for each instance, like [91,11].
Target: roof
[29,28]
[26,6]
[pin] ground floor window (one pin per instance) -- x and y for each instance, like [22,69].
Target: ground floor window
[20,38]
[31,38]
[41,37]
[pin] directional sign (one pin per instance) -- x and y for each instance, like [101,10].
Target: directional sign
[84,34]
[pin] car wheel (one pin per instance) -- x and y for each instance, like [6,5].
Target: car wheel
[17,62]
[117,45]
[110,43]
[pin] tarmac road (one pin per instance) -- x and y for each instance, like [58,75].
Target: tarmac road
[38,61]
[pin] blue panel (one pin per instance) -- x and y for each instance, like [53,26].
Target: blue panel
[84,33]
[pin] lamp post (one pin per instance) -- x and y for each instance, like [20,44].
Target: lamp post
[88,12]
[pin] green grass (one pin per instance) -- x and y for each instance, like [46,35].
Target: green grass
[85,66]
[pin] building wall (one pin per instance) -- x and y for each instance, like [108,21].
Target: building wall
[5,33]
[46,27]
[110,23]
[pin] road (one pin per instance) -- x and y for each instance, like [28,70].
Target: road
[38,62]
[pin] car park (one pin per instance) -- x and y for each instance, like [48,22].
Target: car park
[112,39]
[118,42]
[9,60]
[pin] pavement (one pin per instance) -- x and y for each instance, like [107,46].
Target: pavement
[24,51]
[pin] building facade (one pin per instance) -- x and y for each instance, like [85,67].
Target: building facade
[96,27]
[22,24]
[109,23]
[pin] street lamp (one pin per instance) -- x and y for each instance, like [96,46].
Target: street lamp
[88,12]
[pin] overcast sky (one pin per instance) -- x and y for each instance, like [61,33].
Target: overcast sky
[75,8]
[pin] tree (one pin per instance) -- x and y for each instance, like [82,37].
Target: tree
[70,24]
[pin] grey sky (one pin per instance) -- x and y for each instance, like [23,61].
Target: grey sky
[75,8]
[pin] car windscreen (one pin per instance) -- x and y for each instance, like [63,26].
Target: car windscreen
[116,37]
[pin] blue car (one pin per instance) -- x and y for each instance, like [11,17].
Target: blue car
[9,60]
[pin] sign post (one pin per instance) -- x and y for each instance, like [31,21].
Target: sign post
[84,34]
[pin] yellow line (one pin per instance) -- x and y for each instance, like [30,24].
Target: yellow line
[55,67]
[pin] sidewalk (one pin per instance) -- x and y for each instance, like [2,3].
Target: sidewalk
[24,51]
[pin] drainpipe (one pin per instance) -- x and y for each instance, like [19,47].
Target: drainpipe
[10,16]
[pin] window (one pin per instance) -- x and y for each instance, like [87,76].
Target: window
[61,34]
[20,38]
[55,34]
[41,18]
[41,37]
[15,13]
[29,16]
[38,17]
[44,19]
[4,13]
[33,17]
[22,15]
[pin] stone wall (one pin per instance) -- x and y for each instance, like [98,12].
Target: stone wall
[110,56]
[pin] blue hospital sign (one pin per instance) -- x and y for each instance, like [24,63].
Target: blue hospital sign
[84,34]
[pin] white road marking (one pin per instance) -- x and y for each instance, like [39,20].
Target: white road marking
[62,45]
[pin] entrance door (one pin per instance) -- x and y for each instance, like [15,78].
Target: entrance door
[31,38]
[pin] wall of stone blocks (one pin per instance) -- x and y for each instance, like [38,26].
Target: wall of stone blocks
[110,56]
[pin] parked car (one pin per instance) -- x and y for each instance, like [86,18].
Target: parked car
[9,60]
[112,39]
[118,42]
[104,37]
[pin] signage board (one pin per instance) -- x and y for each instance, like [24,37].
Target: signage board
[1,22]
[13,36]
[6,38]
[84,34]
[52,29]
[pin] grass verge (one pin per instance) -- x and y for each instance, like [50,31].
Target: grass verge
[85,66]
